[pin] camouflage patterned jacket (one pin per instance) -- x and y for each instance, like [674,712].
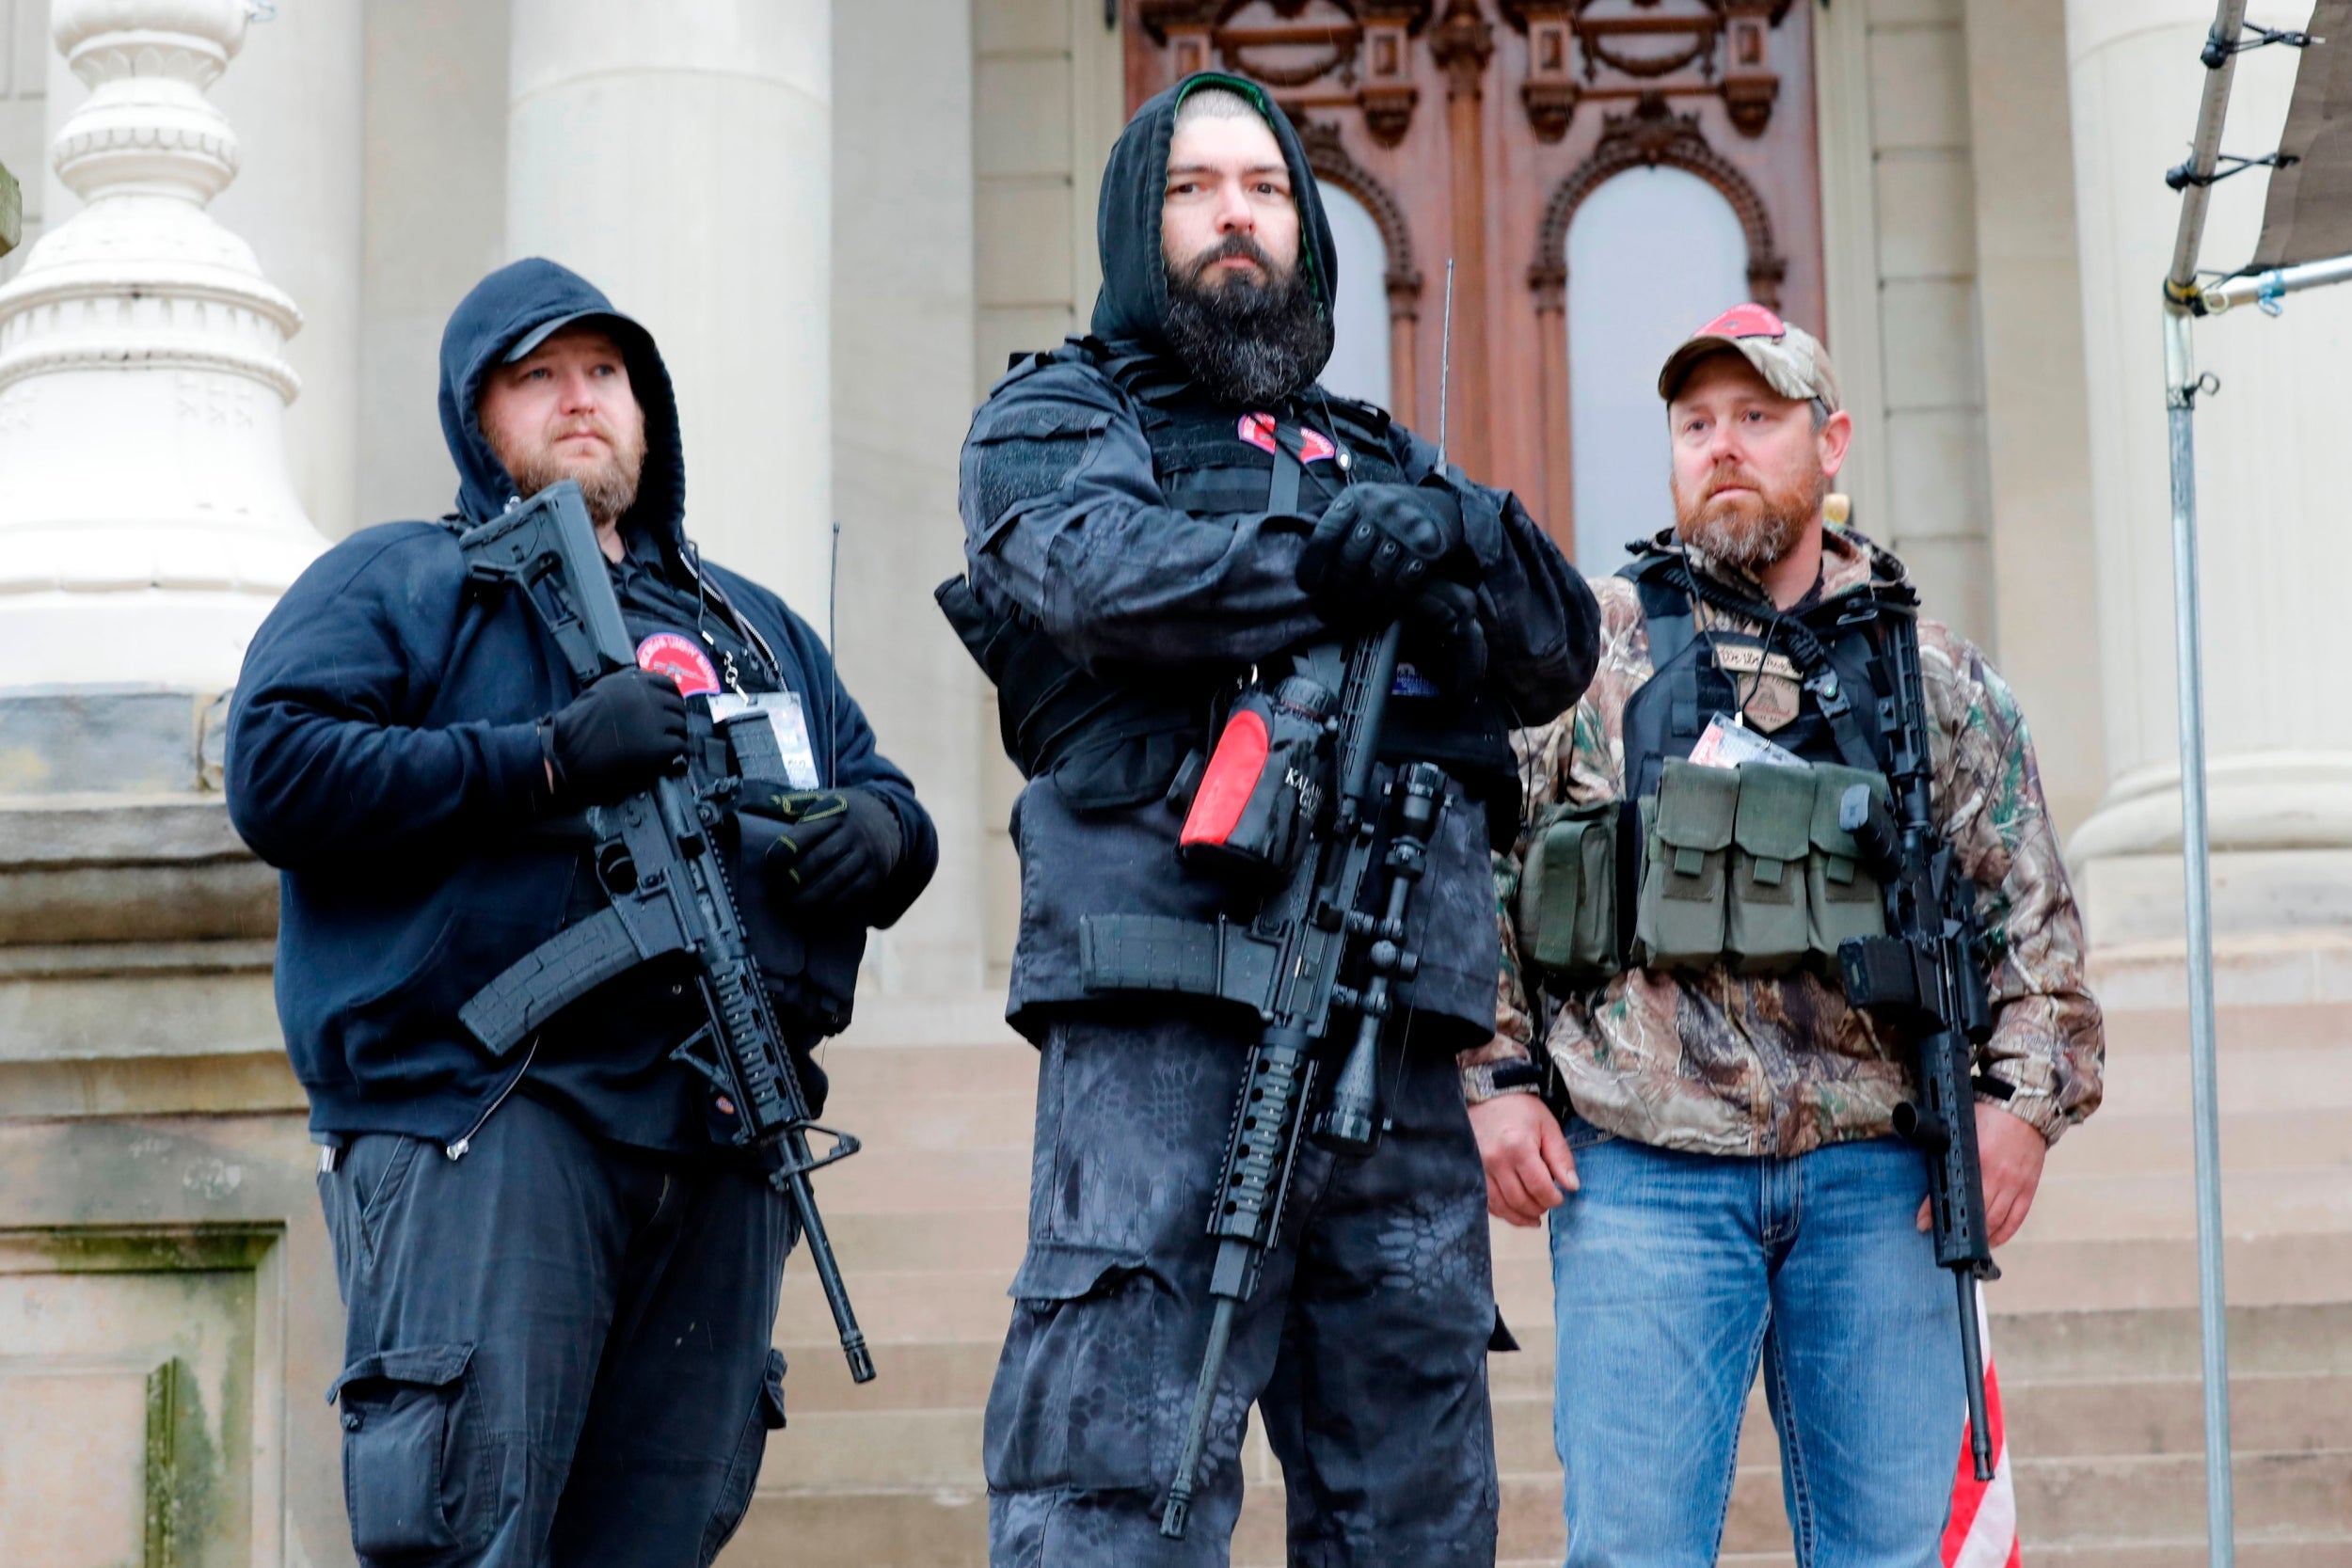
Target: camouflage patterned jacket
[1718,1063]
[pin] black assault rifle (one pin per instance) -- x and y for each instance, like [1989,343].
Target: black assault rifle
[1292,964]
[667,884]
[1927,976]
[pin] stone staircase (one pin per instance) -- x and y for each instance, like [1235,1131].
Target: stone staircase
[2094,1332]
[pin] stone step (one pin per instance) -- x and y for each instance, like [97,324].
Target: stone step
[2097,1502]
[887,1179]
[2089,1513]
[2076,1204]
[2314,1340]
[891,1241]
[2327,1549]
[2280,1414]
[2121,1143]
[2251,1079]
[897,1305]
[882,1074]
[937,1119]
[2148,1031]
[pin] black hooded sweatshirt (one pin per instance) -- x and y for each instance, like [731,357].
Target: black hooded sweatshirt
[1069,528]
[383,754]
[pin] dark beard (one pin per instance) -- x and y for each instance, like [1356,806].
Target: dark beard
[1247,342]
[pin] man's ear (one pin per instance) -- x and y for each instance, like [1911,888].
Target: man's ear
[1833,439]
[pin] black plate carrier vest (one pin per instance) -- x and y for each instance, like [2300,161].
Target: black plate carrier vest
[1834,644]
[1116,739]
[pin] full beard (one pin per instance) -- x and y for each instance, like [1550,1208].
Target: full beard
[1245,342]
[607,486]
[1752,530]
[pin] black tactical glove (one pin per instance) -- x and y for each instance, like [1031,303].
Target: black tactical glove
[1377,549]
[623,732]
[1444,639]
[831,853]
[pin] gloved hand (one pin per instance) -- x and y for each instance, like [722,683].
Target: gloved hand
[1377,549]
[1444,639]
[831,852]
[615,738]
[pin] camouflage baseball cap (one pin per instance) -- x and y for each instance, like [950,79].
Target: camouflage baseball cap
[1790,360]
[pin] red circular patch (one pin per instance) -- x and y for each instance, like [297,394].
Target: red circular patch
[678,659]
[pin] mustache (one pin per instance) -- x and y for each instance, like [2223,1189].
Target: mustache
[1728,475]
[587,425]
[1234,246]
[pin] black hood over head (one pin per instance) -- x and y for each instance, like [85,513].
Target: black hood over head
[528,299]
[1131,312]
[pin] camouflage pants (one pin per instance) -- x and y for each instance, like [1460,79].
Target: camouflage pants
[1364,1346]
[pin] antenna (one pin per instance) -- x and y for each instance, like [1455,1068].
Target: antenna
[1445,362]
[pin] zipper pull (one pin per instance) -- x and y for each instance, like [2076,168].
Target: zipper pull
[457,1150]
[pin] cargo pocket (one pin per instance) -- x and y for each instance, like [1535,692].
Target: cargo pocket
[1765,921]
[407,1454]
[1567,900]
[1842,897]
[1077,1401]
[735,1492]
[1680,921]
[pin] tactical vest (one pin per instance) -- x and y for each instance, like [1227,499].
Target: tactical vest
[1706,866]
[1113,740]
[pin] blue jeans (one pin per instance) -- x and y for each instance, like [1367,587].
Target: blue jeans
[1673,1273]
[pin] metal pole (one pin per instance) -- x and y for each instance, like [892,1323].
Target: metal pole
[2267,288]
[2205,146]
[2181,296]
[2180,412]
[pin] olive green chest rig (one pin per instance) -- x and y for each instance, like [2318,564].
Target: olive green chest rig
[1703,865]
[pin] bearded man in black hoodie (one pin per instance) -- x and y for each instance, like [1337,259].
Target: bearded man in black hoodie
[561,1277]
[1150,513]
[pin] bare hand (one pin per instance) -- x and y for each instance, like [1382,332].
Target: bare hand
[2009,1151]
[1526,1158]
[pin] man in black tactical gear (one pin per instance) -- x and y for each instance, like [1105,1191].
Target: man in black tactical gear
[561,1278]
[1151,512]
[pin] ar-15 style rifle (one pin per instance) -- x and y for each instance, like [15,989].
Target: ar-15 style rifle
[661,868]
[1928,975]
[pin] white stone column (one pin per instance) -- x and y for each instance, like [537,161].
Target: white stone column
[146,519]
[2276,547]
[679,156]
[299,95]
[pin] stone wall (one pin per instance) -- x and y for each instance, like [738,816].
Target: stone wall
[1048,101]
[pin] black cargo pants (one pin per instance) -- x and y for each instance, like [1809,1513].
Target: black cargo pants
[557,1351]
[1364,1347]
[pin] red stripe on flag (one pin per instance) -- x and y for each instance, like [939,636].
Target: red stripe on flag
[1991,1504]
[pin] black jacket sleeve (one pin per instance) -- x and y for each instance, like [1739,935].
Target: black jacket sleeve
[327,761]
[1064,519]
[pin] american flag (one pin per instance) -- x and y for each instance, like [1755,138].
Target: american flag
[1983,1531]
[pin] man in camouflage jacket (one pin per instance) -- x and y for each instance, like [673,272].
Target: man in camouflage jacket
[1734,1192]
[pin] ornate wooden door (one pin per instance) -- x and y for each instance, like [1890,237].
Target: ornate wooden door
[1478,129]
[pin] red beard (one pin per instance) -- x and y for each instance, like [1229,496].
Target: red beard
[1751,529]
